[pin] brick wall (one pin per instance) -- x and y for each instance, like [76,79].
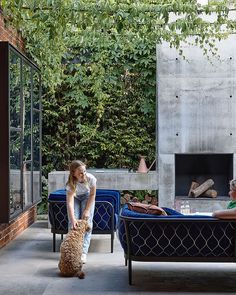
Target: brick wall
[9,34]
[9,231]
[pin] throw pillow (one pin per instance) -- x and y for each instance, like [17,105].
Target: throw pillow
[146,208]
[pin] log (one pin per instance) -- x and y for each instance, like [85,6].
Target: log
[154,201]
[126,198]
[210,193]
[144,202]
[123,201]
[202,188]
[193,186]
[135,200]
[148,198]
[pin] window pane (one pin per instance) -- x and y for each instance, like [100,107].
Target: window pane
[27,181]
[27,112]
[14,90]
[15,173]
[27,173]
[36,157]
[36,89]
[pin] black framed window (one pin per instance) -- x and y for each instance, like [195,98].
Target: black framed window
[20,133]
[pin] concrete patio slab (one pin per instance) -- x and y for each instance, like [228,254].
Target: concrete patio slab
[29,267]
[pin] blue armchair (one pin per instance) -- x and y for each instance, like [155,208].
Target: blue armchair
[105,220]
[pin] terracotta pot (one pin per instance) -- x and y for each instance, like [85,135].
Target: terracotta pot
[142,168]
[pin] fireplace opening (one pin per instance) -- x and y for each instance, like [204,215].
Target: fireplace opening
[199,168]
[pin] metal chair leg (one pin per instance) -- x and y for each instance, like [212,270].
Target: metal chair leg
[112,241]
[130,271]
[54,242]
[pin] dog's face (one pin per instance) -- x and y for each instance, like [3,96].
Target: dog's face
[83,226]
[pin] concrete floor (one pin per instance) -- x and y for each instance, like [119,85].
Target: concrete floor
[29,267]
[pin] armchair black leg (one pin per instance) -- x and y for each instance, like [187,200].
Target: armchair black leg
[112,241]
[61,236]
[54,242]
[130,271]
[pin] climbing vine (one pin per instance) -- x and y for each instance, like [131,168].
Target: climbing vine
[98,63]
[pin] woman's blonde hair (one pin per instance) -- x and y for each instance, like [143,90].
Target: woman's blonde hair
[72,180]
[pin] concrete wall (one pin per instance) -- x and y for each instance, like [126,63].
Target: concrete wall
[197,100]
[196,105]
[109,180]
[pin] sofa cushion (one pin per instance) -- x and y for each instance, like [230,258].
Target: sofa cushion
[58,195]
[127,212]
[111,196]
[145,208]
[171,213]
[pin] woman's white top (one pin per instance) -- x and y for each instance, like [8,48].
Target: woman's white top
[84,188]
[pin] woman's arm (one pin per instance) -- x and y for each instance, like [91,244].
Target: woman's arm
[70,209]
[91,200]
[225,214]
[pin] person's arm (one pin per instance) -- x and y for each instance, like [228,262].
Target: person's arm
[225,214]
[91,200]
[70,209]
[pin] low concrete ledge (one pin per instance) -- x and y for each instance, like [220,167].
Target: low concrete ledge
[120,180]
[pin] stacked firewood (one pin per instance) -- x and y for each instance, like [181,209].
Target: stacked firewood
[130,198]
[202,190]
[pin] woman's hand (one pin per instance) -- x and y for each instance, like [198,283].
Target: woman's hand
[74,224]
[85,214]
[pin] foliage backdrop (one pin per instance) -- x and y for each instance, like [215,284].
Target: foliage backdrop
[98,61]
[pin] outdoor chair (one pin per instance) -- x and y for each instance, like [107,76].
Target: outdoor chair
[105,220]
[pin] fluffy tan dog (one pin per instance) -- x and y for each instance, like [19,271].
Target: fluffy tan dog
[70,264]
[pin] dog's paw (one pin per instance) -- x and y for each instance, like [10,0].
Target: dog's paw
[81,275]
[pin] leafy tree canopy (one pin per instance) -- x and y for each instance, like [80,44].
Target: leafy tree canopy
[98,62]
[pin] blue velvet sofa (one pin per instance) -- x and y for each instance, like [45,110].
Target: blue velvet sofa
[175,237]
[105,221]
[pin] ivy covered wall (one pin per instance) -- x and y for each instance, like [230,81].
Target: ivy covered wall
[99,70]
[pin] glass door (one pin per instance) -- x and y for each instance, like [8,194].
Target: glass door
[15,200]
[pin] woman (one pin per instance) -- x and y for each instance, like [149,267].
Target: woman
[81,191]
[230,212]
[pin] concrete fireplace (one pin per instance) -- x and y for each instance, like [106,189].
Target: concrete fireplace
[196,126]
